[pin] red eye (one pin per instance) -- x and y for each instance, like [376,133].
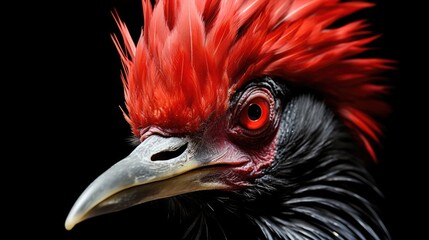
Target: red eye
[256,114]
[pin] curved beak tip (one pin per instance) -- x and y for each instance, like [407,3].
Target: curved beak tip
[71,221]
[69,224]
[74,217]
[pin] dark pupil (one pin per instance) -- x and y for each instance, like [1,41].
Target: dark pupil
[254,111]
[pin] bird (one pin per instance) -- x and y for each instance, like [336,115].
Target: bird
[251,119]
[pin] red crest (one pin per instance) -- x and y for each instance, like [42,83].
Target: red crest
[193,54]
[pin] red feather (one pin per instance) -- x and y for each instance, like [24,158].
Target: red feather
[193,54]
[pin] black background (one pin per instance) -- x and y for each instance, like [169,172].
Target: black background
[62,92]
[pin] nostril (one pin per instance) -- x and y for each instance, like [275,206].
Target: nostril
[167,155]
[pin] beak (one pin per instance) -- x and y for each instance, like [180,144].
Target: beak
[158,168]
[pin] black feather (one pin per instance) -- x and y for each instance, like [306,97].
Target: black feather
[317,188]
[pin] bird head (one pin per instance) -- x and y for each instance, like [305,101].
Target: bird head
[257,101]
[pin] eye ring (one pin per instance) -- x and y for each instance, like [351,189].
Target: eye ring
[256,114]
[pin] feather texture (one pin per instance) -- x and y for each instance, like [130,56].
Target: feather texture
[317,188]
[194,54]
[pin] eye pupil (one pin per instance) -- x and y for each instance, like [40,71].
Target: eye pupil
[254,112]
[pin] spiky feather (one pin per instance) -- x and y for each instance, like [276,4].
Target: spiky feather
[192,55]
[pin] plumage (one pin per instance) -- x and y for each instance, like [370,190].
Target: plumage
[255,119]
[193,55]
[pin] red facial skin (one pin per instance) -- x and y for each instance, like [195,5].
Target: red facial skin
[244,160]
[239,146]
